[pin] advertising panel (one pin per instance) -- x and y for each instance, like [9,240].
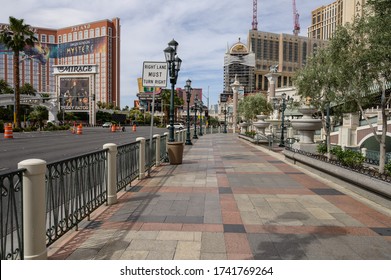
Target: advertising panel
[74,93]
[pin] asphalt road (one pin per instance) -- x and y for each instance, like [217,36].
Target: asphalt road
[59,145]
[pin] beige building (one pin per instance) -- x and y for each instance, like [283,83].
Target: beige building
[326,19]
[287,51]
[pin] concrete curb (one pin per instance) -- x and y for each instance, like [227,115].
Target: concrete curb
[363,181]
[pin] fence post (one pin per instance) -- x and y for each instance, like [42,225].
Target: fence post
[364,152]
[157,153]
[142,157]
[34,209]
[112,173]
[166,133]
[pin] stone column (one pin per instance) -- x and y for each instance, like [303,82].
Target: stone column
[142,157]
[34,209]
[157,136]
[235,88]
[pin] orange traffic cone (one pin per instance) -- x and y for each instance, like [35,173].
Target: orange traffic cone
[113,128]
[79,129]
[8,133]
[134,127]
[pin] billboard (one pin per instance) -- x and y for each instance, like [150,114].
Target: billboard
[74,93]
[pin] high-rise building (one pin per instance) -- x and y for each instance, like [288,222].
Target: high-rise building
[287,52]
[239,61]
[326,19]
[83,57]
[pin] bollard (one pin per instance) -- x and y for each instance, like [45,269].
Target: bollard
[112,173]
[34,209]
[142,157]
[8,133]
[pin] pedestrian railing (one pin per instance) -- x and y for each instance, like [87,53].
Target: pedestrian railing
[75,187]
[11,226]
[54,198]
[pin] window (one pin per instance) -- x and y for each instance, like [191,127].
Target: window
[51,39]
[80,35]
[92,35]
[69,37]
[64,38]
[103,31]
[43,38]
[60,39]
[97,32]
[85,34]
[74,36]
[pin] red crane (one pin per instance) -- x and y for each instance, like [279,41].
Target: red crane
[255,20]
[296,23]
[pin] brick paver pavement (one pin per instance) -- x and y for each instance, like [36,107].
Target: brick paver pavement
[232,200]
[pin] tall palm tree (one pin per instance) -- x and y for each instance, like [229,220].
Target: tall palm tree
[16,36]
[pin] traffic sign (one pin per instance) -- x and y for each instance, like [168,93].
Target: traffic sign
[155,74]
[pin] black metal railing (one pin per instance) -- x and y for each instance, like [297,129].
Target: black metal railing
[127,164]
[150,153]
[11,215]
[75,187]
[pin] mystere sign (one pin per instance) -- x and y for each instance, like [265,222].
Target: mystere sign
[155,74]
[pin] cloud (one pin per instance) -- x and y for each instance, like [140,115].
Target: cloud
[203,28]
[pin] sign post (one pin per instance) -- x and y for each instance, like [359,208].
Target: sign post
[154,75]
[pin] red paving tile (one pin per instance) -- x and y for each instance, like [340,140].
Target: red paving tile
[237,243]
[203,227]
[240,256]
[231,217]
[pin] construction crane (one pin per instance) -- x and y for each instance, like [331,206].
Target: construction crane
[255,20]
[296,23]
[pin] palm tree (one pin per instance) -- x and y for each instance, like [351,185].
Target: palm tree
[16,36]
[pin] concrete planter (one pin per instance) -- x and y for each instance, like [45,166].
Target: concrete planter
[175,152]
[361,180]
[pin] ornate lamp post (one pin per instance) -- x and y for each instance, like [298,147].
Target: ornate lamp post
[282,108]
[188,95]
[201,104]
[225,118]
[174,65]
[195,117]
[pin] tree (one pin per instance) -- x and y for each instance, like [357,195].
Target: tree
[28,89]
[318,81]
[16,36]
[253,105]
[361,53]
[5,88]
[39,114]
[165,99]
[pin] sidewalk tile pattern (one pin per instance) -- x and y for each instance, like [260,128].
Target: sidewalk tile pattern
[231,200]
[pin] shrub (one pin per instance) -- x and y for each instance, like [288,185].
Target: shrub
[321,148]
[387,167]
[250,133]
[348,158]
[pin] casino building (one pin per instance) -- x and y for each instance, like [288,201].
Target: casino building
[83,60]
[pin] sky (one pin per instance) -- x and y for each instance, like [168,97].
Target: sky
[203,29]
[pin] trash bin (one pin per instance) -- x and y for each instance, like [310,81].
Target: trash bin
[175,152]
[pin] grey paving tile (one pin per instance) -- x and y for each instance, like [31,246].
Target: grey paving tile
[213,242]
[234,228]
[184,219]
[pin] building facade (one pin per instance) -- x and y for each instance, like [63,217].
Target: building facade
[326,19]
[286,52]
[95,44]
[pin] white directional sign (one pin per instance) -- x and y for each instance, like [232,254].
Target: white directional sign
[155,74]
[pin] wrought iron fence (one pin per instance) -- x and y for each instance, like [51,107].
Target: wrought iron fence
[75,187]
[127,164]
[150,153]
[163,152]
[372,157]
[11,215]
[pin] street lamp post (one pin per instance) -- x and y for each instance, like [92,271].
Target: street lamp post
[174,65]
[195,117]
[225,118]
[188,95]
[282,108]
[201,110]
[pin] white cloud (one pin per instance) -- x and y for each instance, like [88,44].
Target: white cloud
[202,28]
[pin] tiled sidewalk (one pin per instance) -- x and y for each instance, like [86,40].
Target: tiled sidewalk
[232,200]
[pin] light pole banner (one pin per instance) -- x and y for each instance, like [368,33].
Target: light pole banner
[155,74]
